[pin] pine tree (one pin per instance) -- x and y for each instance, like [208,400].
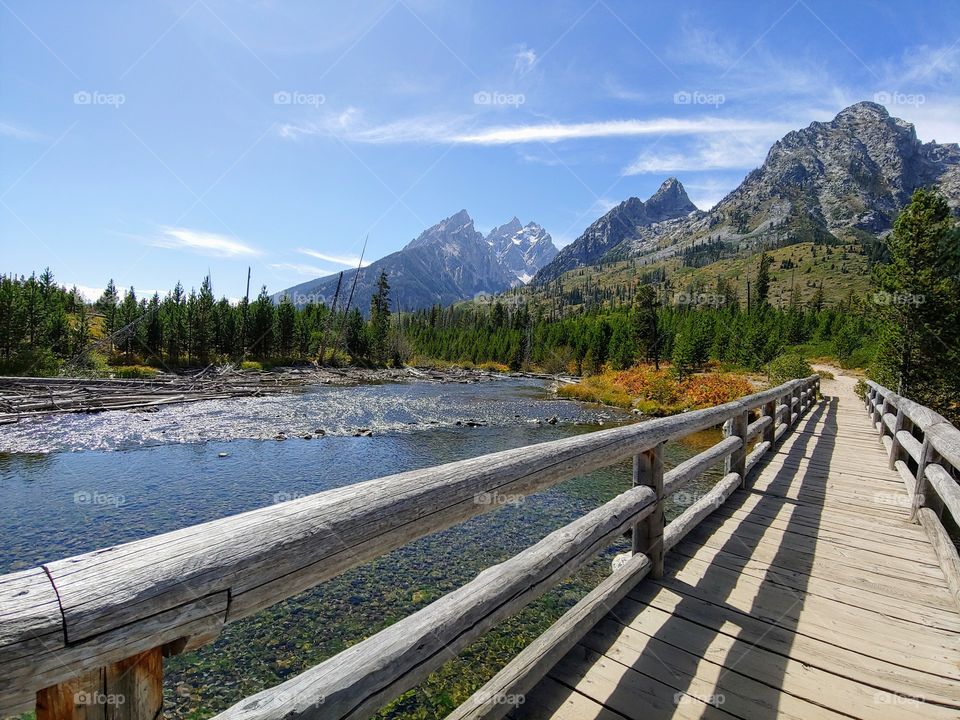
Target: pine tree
[380,320]
[918,304]
[763,278]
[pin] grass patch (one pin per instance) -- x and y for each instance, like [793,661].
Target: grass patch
[133,371]
[657,392]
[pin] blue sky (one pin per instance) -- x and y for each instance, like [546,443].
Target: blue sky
[154,141]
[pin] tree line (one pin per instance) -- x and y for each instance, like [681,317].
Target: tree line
[44,327]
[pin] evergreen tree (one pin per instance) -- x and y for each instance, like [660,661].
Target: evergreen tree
[380,320]
[107,306]
[763,278]
[918,304]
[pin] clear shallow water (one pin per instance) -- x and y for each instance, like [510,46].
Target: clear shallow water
[164,471]
[339,411]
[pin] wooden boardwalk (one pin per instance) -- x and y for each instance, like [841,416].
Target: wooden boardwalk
[810,595]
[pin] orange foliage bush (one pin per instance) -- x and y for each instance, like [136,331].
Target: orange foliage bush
[657,392]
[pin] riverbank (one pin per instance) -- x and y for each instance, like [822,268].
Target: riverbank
[27,397]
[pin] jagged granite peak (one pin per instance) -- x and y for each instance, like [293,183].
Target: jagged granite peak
[619,224]
[670,201]
[522,249]
[456,228]
[505,230]
[447,263]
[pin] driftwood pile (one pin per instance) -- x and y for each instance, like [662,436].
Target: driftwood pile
[24,397]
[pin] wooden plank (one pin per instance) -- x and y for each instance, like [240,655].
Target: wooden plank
[552,700]
[794,552]
[809,610]
[836,659]
[895,600]
[760,505]
[768,677]
[691,672]
[760,528]
[628,692]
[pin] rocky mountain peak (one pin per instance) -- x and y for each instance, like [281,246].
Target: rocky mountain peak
[456,229]
[670,201]
[619,224]
[522,249]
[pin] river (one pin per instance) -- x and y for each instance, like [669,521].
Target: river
[74,483]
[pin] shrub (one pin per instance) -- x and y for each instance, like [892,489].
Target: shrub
[658,392]
[861,389]
[788,367]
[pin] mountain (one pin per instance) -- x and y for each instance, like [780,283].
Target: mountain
[622,223]
[522,249]
[842,180]
[448,262]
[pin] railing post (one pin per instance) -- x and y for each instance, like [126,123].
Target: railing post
[770,411]
[920,489]
[795,395]
[131,689]
[895,450]
[878,411]
[737,460]
[648,533]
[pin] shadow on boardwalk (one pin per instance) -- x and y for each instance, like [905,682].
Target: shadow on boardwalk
[659,636]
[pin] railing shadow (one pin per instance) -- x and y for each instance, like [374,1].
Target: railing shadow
[691,634]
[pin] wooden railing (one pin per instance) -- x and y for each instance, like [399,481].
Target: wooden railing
[925,449]
[77,632]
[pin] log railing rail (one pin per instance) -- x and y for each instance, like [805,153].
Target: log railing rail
[925,449]
[101,622]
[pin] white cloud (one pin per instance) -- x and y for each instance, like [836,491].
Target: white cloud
[348,260]
[301,269]
[524,60]
[555,132]
[723,152]
[924,65]
[88,293]
[203,243]
[349,126]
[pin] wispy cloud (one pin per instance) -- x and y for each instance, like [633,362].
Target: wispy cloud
[204,243]
[16,132]
[732,151]
[555,132]
[524,60]
[348,126]
[348,260]
[301,269]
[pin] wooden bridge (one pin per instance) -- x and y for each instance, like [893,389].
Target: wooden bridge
[814,580]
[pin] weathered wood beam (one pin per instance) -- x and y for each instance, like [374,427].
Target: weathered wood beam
[361,679]
[648,533]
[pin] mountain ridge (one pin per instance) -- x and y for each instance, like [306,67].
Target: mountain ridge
[840,179]
[448,262]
